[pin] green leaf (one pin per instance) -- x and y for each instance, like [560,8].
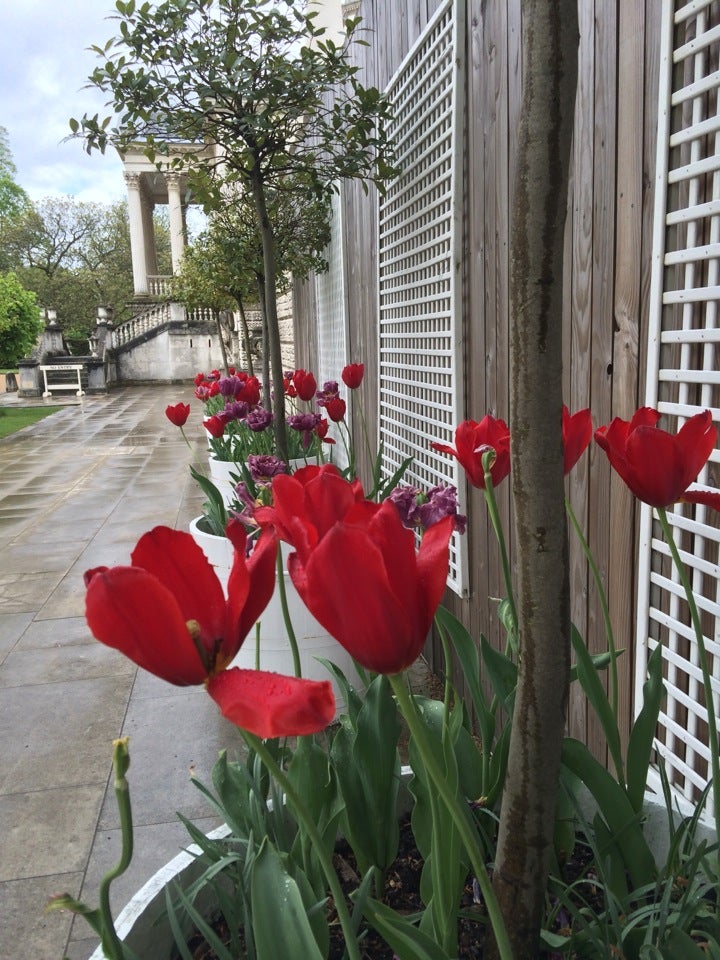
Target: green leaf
[406,940]
[502,673]
[613,803]
[642,735]
[468,654]
[280,921]
[590,682]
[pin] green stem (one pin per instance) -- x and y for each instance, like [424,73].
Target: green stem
[121,760]
[292,639]
[371,456]
[702,652]
[605,611]
[459,813]
[497,527]
[308,824]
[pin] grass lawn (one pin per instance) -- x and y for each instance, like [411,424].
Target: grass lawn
[13,419]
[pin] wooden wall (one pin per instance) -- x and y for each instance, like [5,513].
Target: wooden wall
[606,277]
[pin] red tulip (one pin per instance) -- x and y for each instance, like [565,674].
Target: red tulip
[305,384]
[321,430]
[577,433]
[364,582]
[352,375]
[308,503]
[178,414]
[214,426]
[250,391]
[657,466]
[168,614]
[335,409]
[472,440]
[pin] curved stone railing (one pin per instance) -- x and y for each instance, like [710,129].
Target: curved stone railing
[143,323]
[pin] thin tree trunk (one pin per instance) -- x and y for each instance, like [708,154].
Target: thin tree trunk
[223,351]
[550,40]
[267,385]
[273,327]
[245,335]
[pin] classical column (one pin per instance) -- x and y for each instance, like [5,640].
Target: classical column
[177,224]
[149,234]
[137,235]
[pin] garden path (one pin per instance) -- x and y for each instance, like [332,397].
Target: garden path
[76,491]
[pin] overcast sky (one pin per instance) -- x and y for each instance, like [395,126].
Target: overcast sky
[44,63]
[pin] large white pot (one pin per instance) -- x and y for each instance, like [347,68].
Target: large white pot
[221,474]
[275,653]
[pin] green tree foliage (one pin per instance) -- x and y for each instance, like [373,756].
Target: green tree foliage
[13,199]
[75,256]
[20,323]
[257,78]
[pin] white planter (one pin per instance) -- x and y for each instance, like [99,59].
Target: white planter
[274,647]
[221,473]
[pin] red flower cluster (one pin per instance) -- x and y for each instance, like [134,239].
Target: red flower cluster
[167,612]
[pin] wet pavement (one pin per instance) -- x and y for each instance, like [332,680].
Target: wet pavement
[76,491]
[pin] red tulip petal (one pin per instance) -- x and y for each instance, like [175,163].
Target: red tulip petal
[346,587]
[130,610]
[250,587]
[707,498]
[696,441]
[273,705]
[577,433]
[433,561]
[181,566]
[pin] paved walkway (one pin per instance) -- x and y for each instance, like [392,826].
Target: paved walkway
[76,491]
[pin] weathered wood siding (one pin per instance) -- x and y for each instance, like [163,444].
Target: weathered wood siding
[606,277]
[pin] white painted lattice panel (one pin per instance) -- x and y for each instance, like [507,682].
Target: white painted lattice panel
[683,379]
[419,224]
[332,318]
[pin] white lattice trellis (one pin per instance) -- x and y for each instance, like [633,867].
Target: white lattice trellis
[683,378]
[419,264]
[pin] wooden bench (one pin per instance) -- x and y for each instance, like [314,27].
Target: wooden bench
[62,384]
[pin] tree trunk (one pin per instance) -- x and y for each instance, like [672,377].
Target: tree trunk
[247,346]
[273,327]
[267,386]
[223,351]
[550,40]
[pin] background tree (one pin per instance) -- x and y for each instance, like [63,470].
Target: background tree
[13,199]
[76,255]
[20,323]
[527,820]
[259,79]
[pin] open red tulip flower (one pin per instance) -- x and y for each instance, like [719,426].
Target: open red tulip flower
[178,414]
[577,434]
[364,581]
[167,612]
[308,503]
[657,466]
[472,440]
[352,375]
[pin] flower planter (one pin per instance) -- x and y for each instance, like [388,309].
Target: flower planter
[221,473]
[142,925]
[274,648]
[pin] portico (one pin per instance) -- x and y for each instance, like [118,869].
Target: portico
[150,183]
